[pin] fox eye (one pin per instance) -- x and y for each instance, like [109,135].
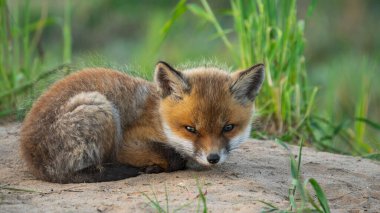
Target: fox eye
[228,127]
[191,129]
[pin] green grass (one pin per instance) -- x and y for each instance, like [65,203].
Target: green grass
[66,33]
[343,121]
[271,32]
[348,121]
[300,198]
[156,204]
[21,52]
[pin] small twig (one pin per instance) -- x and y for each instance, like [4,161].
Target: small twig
[18,190]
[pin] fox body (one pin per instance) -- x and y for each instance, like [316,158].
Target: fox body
[94,119]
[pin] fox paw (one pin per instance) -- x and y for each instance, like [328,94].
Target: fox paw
[154,169]
[193,165]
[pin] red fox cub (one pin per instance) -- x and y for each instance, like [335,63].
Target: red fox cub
[102,125]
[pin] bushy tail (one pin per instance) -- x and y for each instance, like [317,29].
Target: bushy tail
[88,131]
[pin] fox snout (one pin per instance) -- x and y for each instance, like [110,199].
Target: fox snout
[213,158]
[210,157]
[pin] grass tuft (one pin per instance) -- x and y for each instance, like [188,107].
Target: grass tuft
[270,32]
[305,202]
[21,52]
[156,204]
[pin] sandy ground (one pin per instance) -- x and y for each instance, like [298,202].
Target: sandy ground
[259,170]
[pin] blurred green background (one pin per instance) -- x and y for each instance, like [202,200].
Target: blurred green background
[335,55]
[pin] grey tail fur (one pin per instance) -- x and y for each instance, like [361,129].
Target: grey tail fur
[87,133]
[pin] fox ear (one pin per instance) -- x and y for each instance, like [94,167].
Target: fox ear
[247,83]
[170,81]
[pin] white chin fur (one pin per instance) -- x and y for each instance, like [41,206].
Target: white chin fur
[239,139]
[201,158]
[182,145]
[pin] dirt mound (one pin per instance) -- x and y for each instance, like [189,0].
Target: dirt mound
[259,170]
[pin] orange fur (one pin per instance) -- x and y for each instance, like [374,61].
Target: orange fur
[99,115]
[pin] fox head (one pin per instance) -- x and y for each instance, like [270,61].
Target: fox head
[206,112]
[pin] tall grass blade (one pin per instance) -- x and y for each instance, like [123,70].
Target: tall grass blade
[361,112]
[311,8]
[269,207]
[320,195]
[154,202]
[210,16]
[178,11]
[369,123]
[67,43]
[199,11]
[202,197]
[167,198]
[282,144]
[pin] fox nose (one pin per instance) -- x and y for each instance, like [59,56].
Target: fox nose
[213,158]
